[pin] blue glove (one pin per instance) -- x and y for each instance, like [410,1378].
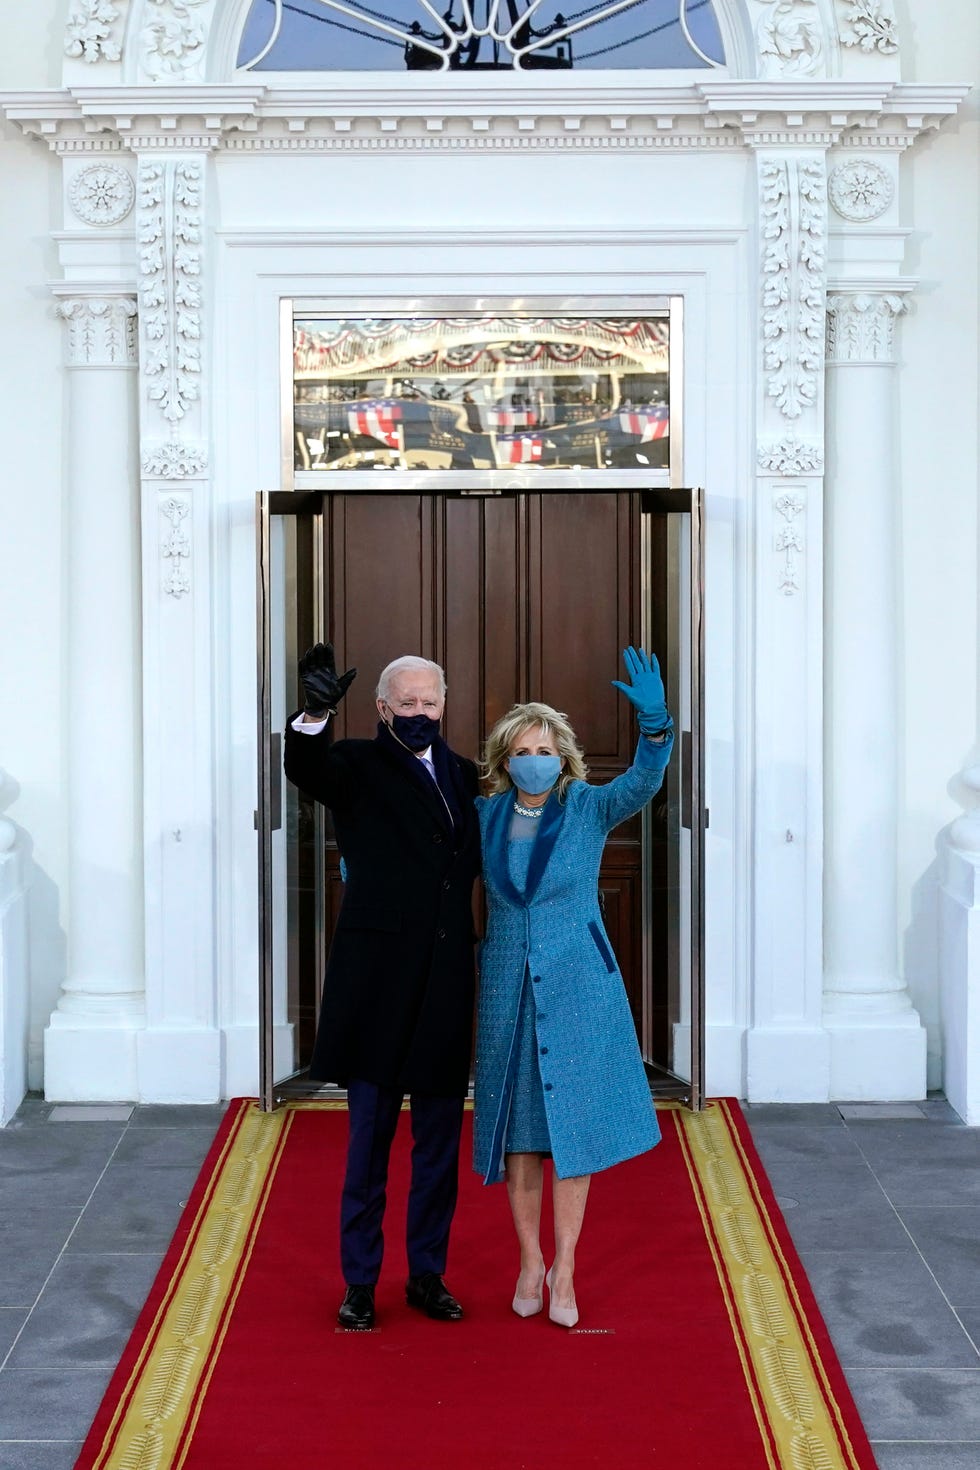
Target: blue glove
[645,690]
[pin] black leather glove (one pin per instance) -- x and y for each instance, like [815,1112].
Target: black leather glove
[323,687]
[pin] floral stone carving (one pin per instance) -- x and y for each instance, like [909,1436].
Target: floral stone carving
[872,26]
[860,189]
[90,31]
[102,194]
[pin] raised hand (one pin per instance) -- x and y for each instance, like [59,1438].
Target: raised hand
[323,687]
[645,691]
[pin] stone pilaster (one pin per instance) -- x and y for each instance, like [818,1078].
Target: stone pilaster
[90,1041]
[878,1044]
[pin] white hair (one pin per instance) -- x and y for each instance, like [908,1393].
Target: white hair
[408,663]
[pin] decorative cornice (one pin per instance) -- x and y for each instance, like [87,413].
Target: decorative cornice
[860,189]
[861,326]
[788,541]
[169,228]
[92,31]
[794,228]
[789,455]
[101,330]
[869,24]
[102,194]
[717,112]
[175,546]
[174,460]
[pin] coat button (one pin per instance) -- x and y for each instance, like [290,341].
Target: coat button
[544,1051]
[536,979]
[445,883]
[437,837]
[441,934]
[547,1087]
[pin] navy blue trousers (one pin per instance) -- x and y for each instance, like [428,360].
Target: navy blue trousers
[436,1126]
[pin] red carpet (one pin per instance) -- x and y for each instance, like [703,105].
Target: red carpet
[699,1344]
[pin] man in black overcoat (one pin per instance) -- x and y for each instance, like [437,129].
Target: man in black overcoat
[397,1010]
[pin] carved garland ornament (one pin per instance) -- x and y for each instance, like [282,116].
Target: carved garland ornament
[788,543]
[860,189]
[102,194]
[790,455]
[794,227]
[170,282]
[90,31]
[172,44]
[872,26]
[175,546]
[790,38]
[174,461]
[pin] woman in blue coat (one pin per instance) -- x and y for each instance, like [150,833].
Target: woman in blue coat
[558,1068]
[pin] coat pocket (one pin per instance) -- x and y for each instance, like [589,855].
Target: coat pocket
[602,946]
[369,916]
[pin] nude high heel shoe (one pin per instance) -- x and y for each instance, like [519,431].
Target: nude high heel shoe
[528,1306]
[564,1316]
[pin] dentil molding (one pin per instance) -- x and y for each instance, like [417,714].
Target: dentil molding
[251,117]
[794,228]
[102,330]
[861,325]
[169,229]
[102,194]
[175,545]
[860,189]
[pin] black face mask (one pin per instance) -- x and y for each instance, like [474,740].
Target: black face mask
[415,731]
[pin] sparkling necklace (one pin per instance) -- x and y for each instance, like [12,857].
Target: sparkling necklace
[527,811]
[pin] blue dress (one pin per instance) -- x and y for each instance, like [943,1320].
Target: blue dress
[527,1123]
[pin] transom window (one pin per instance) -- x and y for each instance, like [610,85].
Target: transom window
[482,392]
[479,35]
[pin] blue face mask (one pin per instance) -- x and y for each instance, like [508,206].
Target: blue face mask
[534,774]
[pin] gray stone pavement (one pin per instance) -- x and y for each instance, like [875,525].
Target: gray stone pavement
[883,1204]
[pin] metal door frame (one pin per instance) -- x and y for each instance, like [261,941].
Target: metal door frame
[670,501]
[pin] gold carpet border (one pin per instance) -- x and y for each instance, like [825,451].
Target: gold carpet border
[799,1418]
[158,1409]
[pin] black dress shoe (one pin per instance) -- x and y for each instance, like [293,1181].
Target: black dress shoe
[357,1309]
[428,1293]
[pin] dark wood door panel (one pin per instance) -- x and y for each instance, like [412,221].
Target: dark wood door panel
[531,596]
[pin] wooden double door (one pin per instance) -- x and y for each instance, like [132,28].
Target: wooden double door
[519,596]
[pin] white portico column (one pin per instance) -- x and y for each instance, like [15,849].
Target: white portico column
[90,1042]
[878,1043]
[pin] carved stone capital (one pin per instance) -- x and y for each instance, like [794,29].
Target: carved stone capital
[861,325]
[102,330]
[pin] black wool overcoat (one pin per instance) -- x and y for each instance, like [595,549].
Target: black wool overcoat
[397,1006]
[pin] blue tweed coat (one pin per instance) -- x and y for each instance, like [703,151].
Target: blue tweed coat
[596,1095]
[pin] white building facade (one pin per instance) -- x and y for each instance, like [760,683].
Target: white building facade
[812,199]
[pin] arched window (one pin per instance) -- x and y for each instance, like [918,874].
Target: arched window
[479,35]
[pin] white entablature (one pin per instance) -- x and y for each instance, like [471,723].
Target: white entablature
[166,41]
